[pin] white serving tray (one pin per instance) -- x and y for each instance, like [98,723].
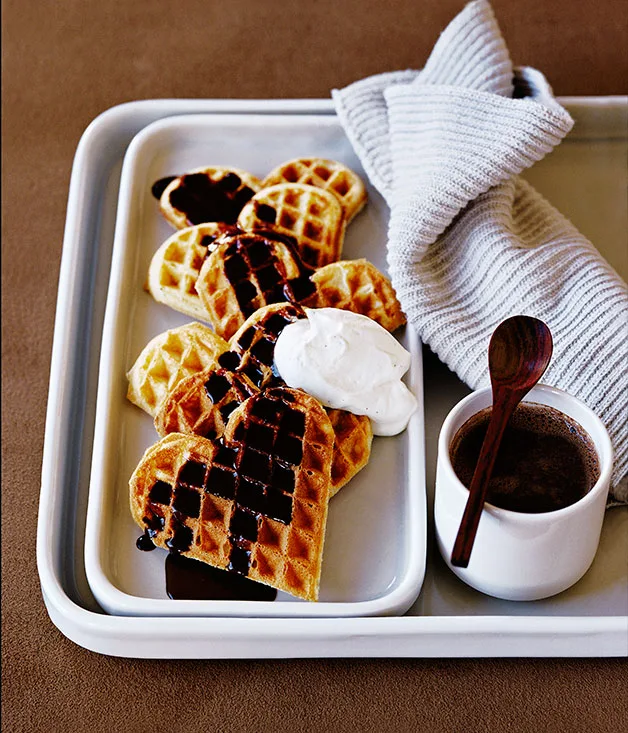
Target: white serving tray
[375,541]
[585,177]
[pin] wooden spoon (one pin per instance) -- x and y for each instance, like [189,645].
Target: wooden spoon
[518,355]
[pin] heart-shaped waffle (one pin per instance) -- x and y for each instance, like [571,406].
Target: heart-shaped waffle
[175,267]
[247,271]
[210,194]
[255,502]
[167,359]
[358,286]
[323,173]
[313,216]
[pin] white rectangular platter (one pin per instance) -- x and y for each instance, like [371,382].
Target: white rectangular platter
[585,177]
[375,541]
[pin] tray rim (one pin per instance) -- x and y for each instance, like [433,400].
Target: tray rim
[394,600]
[574,636]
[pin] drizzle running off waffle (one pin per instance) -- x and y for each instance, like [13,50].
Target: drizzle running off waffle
[323,173]
[254,503]
[312,216]
[211,194]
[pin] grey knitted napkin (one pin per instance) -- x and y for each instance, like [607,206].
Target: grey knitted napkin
[470,243]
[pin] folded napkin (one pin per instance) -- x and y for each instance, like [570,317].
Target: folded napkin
[470,243]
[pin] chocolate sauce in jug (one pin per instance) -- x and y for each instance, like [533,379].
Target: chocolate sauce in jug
[546,460]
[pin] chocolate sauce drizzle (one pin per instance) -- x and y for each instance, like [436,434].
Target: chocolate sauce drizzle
[161,185]
[202,199]
[145,542]
[257,275]
[253,353]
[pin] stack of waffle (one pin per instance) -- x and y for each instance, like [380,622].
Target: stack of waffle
[245,466]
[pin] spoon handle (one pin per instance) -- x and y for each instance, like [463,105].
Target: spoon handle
[504,404]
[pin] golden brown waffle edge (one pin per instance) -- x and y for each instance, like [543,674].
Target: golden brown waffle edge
[330,175]
[358,286]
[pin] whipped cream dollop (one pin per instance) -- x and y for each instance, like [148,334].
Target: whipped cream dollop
[349,362]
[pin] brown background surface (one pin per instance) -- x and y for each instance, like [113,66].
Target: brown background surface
[64,62]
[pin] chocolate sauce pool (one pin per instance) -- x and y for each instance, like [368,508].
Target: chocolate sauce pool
[546,460]
[188,579]
[191,580]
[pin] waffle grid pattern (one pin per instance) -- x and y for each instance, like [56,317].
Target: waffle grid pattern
[358,286]
[311,215]
[329,175]
[201,403]
[167,359]
[255,503]
[254,342]
[244,273]
[176,266]
[285,445]
[352,446]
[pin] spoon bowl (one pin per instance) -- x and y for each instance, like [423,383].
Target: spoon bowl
[518,355]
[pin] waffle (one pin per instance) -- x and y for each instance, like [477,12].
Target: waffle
[253,344]
[247,271]
[358,286]
[353,436]
[322,173]
[215,193]
[168,358]
[313,216]
[201,403]
[176,265]
[213,500]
